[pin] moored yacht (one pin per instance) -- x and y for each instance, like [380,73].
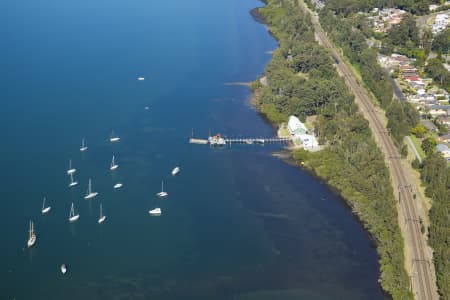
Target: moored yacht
[114,138]
[162,194]
[63,268]
[72,216]
[175,171]
[32,236]
[90,194]
[118,185]
[83,145]
[102,218]
[44,209]
[71,170]
[72,181]
[114,165]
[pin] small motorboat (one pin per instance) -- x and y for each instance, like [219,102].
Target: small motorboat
[118,185]
[175,171]
[63,269]
[155,212]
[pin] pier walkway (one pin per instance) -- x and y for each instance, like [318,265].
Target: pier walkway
[217,140]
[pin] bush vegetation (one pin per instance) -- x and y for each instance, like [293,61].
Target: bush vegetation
[435,174]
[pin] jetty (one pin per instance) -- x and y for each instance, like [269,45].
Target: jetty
[218,140]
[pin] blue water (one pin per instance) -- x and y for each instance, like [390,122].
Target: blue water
[238,222]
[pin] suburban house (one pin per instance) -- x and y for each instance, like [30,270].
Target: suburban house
[444,150]
[296,127]
[299,131]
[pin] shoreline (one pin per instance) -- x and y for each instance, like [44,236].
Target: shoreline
[287,157]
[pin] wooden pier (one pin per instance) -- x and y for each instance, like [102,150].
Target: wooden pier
[256,140]
[220,141]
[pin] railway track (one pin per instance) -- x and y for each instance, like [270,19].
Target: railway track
[422,278]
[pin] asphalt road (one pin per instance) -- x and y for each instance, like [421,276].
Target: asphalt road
[422,275]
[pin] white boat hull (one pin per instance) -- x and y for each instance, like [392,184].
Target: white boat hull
[162,194]
[46,210]
[175,171]
[101,220]
[63,269]
[155,212]
[82,149]
[31,241]
[71,171]
[118,185]
[112,168]
[90,196]
[74,218]
[72,184]
[115,139]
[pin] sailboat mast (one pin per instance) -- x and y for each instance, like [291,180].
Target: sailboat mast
[43,204]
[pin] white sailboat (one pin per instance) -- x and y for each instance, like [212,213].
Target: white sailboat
[32,236]
[114,138]
[90,194]
[162,194]
[72,216]
[118,185]
[155,212]
[175,170]
[70,170]
[44,209]
[114,165]
[83,145]
[102,217]
[72,181]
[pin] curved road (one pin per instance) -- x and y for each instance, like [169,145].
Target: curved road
[422,275]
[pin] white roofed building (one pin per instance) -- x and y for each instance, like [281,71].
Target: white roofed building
[296,127]
[308,141]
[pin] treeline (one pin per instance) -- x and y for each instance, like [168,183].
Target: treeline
[353,44]
[435,174]
[302,80]
[345,7]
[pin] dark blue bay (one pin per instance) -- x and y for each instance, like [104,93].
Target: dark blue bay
[238,222]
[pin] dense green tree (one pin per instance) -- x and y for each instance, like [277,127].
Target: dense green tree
[404,37]
[427,41]
[441,42]
[440,75]
[429,145]
[419,131]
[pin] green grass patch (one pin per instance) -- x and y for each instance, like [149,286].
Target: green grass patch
[416,144]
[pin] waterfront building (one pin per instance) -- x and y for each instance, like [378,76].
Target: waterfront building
[296,127]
